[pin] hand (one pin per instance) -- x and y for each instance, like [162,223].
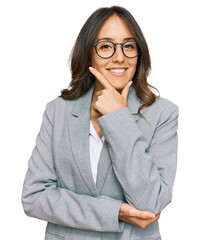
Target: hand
[108,99]
[142,219]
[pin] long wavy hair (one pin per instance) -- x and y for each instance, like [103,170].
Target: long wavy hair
[80,57]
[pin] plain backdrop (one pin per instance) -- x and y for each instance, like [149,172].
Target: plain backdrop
[36,40]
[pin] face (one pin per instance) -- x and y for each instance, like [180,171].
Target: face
[118,69]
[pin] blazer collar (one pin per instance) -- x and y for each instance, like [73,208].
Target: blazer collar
[82,104]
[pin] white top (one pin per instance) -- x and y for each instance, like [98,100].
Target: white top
[95,147]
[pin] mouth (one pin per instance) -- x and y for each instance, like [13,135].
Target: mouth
[117,71]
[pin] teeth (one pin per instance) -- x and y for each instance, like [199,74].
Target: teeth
[117,70]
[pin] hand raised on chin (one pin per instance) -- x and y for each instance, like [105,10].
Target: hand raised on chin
[108,99]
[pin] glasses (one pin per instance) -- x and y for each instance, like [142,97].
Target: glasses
[106,49]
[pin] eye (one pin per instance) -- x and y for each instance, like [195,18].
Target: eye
[105,46]
[129,46]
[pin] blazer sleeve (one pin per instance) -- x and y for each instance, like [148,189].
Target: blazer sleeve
[145,171]
[42,197]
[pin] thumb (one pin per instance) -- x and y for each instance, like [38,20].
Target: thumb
[125,91]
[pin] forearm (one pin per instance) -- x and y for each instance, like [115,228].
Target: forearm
[136,164]
[66,208]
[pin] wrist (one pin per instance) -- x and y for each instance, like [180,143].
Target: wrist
[121,210]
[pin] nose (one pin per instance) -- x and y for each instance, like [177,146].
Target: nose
[118,56]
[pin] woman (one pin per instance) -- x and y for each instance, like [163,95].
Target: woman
[105,158]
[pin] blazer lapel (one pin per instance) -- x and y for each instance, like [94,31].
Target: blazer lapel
[79,123]
[103,166]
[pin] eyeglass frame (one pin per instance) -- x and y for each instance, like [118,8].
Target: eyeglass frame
[115,46]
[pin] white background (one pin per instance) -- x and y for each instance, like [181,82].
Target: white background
[36,40]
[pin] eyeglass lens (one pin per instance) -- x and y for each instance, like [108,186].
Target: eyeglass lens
[106,49]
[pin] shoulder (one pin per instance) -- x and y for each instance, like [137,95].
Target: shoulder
[58,108]
[161,111]
[59,103]
[163,103]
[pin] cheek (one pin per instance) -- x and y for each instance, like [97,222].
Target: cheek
[99,63]
[133,66]
[95,62]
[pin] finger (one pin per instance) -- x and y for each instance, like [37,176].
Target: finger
[143,223]
[125,91]
[150,221]
[128,210]
[98,93]
[94,108]
[104,82]
[142,214]
[158,215]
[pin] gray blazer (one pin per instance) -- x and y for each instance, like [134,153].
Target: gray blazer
[137,165]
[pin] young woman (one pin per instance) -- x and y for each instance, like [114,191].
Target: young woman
[105,158]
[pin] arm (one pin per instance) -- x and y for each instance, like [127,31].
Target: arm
[42,197]
[145,171]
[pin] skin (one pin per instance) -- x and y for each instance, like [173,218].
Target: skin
[110,94]
[115,30]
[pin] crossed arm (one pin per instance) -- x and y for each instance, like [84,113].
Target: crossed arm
[146,171]
[44,199]
[147,189]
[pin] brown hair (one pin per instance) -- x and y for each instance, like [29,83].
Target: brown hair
[80,57]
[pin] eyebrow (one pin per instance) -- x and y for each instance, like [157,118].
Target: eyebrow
[111,39]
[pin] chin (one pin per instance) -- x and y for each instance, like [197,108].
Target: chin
[119,87]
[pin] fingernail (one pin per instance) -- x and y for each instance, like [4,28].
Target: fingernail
[130,83]
[90,68]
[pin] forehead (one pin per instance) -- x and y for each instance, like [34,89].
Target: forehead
[115,28]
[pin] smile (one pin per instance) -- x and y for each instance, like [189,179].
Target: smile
[115,70]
